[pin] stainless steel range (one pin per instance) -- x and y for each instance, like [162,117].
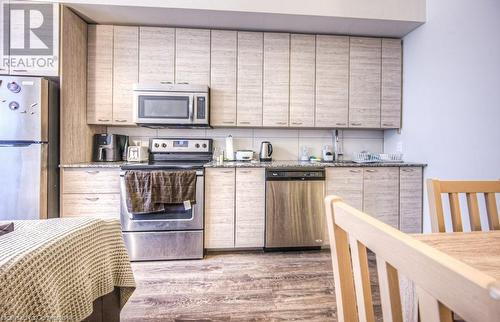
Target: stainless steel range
[177,232]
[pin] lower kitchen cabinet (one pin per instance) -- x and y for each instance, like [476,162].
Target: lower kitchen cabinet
[219,208]
[234,208]
[346,183]
[410,199]
[381,194]
[250,208]
[391,194]
[90,192]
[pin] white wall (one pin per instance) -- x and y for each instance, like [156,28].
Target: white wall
[451,97]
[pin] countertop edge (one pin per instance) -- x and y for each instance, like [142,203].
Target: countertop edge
[274,164]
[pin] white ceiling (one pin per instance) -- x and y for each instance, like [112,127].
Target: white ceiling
[271,20]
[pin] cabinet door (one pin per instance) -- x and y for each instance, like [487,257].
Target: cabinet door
[381,194]
[275,102]
[219,208]
[391,84]
[249,80]
[125,72]
[100,74]
[103,206]
[250,207]
[223,78]
[332,81]
[156,54]
[410,199]
[364,82]
[302,80]
[192,56]
[346,183]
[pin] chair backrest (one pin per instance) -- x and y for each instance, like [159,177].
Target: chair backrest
[435,189]
[443,283]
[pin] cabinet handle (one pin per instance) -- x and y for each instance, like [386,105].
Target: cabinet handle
[3,68]
[183,83]
[407,170]
[387,124]
[165,82]
[121,121]
[297,123]
[371,170]
[245,171]
[226,171]
[244,122]
[92,171]
[20,70]
[228,122]
[92,198]
[280,123]
[340,124]
[355,171]
[103,120]
[356,123]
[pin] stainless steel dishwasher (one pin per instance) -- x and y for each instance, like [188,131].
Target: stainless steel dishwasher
[294,208]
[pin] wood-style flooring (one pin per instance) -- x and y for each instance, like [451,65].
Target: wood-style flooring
[255,286]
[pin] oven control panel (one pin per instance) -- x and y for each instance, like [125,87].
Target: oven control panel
[180,145]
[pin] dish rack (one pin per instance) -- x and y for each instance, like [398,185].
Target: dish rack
[367,157]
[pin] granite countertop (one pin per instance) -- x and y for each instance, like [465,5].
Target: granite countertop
[116,164]
[299,164]
[257,164]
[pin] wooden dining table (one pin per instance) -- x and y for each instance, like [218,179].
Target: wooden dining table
[480,250]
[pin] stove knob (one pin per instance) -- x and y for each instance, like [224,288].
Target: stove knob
[197,145]
[14,87]
[204,145]
[157,145]
[14,105]
[164,145]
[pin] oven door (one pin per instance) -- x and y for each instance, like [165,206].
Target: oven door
[174,218]
[174,108]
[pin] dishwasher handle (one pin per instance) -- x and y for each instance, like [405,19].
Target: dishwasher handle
[295,175]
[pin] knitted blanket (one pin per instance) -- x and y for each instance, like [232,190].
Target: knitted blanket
[53,270]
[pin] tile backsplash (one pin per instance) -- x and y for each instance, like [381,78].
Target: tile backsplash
[287,143]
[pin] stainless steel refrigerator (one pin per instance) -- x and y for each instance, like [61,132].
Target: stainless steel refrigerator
[29,148]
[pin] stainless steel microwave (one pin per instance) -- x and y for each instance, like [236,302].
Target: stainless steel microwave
[171,105]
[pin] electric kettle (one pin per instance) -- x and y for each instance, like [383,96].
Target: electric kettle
[266,150]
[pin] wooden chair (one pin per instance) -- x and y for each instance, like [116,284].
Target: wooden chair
[435,189]
[442,282]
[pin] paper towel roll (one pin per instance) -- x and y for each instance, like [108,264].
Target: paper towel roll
[229,148]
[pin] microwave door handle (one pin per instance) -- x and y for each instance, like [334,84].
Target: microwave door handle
[191,107]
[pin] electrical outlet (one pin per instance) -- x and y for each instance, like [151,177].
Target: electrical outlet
[399,147]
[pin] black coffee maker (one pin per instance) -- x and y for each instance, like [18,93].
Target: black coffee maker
[110,147]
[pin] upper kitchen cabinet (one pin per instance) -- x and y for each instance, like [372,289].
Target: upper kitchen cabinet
[249,79]
[100,74]
[223,54]
[332,81]
[156,55]
[364,82]
[275,103]
[391,83]
[192,56]
[302,80]
[125,72]
[41,56]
